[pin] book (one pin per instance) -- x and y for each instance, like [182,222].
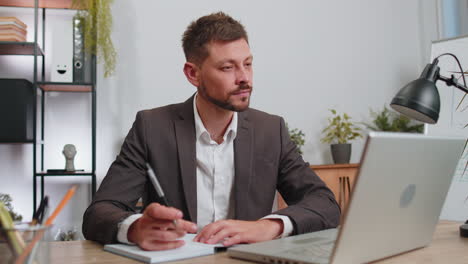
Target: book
[11,23]
[191,249]
[11,20]
[13,27]
[12,37]
[12,32]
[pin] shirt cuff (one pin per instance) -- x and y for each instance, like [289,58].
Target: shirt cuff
[123,228]
[287,224]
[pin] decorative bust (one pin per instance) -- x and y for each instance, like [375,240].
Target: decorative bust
[69,151]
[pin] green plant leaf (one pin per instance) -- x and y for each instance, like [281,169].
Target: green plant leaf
[97,18]
[6,200]
[389,120]
[340,129]
[297,136]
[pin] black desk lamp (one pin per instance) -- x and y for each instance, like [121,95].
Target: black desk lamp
[420,99]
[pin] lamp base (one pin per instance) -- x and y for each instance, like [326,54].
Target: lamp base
[464,229]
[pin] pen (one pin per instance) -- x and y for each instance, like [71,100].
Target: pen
[40,212]
[158,188]
[62,204]
[25,253]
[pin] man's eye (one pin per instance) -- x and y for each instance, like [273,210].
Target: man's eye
[226,68]
[249,64]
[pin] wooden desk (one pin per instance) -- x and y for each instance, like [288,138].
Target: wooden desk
[447,247]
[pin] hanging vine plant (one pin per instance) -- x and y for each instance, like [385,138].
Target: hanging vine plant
[97,18]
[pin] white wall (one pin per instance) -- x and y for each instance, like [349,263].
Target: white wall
[309,56]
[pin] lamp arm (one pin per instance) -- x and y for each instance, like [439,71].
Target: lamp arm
[453,82]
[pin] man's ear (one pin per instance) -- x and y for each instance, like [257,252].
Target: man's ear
[192,73]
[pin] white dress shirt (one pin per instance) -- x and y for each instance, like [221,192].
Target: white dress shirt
[215,180]
[215,172]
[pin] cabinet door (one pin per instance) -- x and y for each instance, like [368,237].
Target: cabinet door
[329,176]
[339,180]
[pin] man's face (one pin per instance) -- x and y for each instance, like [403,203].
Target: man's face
[225,76]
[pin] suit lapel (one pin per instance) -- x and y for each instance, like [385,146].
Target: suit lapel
[243,151]
[185,136]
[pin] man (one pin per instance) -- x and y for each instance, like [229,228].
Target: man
[216,159]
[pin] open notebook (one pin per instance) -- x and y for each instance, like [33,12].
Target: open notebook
[189,250]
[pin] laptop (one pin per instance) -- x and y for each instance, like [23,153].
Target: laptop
[395,205]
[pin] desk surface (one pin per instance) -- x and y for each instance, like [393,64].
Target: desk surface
[447,247]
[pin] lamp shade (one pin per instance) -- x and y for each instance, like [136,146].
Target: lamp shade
[420,99]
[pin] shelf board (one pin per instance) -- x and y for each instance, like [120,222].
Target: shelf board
[335,166]
[76,173]
[39,142]
[19,48]
[59,4]
[17,142]
[66,87]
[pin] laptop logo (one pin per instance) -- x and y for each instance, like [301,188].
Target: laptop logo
[407,195]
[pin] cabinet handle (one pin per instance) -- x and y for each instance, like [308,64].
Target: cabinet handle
[345,191]
[341,192]
[349,186]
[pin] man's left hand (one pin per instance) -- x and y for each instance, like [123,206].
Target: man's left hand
[231,232]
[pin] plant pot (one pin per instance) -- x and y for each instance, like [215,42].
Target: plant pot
[341,153]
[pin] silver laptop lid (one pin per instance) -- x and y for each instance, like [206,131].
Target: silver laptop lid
[395,204]
[398,195]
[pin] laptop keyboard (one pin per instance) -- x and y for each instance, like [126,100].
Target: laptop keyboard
[319,253]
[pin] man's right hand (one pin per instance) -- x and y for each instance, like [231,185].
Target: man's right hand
[155,230]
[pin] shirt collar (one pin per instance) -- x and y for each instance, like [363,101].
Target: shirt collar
[200,130]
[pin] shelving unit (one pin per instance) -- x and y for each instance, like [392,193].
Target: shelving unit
[41,86]
[55,4]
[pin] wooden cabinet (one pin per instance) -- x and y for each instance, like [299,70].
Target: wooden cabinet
[338,177]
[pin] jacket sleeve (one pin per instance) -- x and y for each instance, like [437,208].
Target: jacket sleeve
[120,190]
[311,204]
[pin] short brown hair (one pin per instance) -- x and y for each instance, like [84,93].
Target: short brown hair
[214,27]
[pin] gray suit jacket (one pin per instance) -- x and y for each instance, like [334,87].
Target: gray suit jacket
[265,160]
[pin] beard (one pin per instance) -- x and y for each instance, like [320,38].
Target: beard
[227,103]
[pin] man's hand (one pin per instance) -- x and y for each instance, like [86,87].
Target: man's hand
[231,232]
[155,230]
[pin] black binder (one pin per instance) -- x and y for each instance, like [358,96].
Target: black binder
[16,111]
[78,51]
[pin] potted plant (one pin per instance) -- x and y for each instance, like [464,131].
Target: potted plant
[297,136]
[6,200]
[389,120]
[97,18]
[338,133]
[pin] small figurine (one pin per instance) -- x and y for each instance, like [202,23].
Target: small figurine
[69,151]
